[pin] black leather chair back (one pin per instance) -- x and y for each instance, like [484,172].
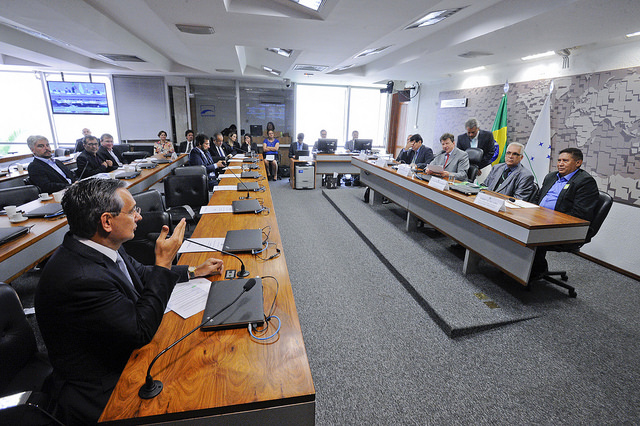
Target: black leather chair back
[190,170]
[605,201]
[129,157]
[142,246]
[534,194]
[149,201]
[475,156]
[18,195]
[62,152]
[191,190]
[472,172]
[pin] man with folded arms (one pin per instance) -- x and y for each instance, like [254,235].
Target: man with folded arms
[106,152]
[94,303]
[46,173]
[89,163]
[511,178]
[454,160]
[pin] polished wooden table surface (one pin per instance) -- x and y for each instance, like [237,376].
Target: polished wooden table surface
[23,253]
[226,376]
[505,239]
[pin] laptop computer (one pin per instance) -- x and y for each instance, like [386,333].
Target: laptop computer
[45,210]
[249,309]
[127,175]
[250,205]
[248,186]
[250,175]
[464,188]
[11,233]
[249,160]
[243,240]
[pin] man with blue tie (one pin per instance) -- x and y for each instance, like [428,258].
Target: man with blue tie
[200,156]
[46,173]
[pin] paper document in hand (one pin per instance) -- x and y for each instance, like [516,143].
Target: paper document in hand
[435,168]
[202,246]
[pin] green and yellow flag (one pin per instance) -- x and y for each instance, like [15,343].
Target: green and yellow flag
[499,129]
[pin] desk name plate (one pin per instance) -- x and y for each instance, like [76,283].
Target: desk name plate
[492,203]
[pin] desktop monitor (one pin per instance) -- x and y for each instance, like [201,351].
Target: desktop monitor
[362,144]
[327,145]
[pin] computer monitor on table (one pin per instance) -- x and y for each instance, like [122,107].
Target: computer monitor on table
[327,146]
[302,153]
[362,144]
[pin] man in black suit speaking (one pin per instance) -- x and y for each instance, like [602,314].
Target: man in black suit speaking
[46,173]
[95,304]
[476,138]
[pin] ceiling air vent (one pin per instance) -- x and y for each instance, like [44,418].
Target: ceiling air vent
[195,29]
[305,67]
[474,54]
[116,57]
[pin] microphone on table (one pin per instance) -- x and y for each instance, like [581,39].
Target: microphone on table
[152,388]
[243,184]
[242,273]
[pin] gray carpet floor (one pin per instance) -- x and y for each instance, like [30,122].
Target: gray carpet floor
[380,356]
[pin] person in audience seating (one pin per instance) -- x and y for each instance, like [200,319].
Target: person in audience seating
[421,154]
[44,172]
[349,144]
[247,145]
[187,146]
[200,156]
[95,304]
[163,146]
[298,146]
[454,160]
[106,151]
[511,177]
[270,146]
[570,190]
[80,142]
[89,163]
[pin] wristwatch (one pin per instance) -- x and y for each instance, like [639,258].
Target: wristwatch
[192,272]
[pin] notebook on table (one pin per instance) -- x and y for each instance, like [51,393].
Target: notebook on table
[11,233]
[45,210]
[243,240]
[248,309]
[464,188]
[127,175]
[248,186]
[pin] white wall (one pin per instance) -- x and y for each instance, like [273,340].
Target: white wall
[618,240]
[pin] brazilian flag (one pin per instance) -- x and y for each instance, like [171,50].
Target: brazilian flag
[499,130]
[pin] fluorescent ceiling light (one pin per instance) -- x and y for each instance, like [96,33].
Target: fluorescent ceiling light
[373,51]
[311,4]
[282,52]
[480,68]
[434,17]
[633,34]
[271,70]
[310,68]
[539,55]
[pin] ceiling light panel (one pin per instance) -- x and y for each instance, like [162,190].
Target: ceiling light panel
[282,52]
[538,55]
[307,67]
[311,4]
[195,29]
[432,18]
[373,51]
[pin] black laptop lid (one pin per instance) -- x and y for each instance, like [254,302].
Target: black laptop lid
[248,186]
[249,309]
[250,175]
[243,240]
[250,205]
[11,233]
[45,210]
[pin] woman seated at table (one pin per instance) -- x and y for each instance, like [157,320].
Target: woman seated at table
[163,146]
[247,145]
[270,146]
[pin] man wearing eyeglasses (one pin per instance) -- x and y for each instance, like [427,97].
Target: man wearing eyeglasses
[95,304]
[89,163]
[511,178]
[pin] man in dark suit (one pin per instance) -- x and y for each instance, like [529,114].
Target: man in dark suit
[298,146]
[80,142]
[217,150]
[96,304]
[187,146]
[406,154]
[46,173]
[421,154]
[572,191]
[511,178]
[476,138]
[89,163]
[106,151]
[200,156]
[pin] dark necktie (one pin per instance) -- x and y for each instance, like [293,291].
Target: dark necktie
[504,176]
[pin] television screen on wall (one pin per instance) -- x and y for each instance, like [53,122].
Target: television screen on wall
[78,98]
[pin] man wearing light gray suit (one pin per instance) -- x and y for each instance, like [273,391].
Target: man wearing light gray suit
[511,178]
[454,160]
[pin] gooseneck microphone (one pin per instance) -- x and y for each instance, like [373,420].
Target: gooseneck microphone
[242,273]
[152,388]
[241,182]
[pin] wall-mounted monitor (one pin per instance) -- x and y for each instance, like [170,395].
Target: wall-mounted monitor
[78,98]
[362,144]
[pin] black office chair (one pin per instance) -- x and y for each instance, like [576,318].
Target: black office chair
[22,367]
[534,194]
[60,152]
[142,246]
[190,170]
[18,195]
[475,157]
[129,157]
[184,195]
[149,201]
[605,201]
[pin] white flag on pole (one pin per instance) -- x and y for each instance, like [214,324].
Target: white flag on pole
[538,148]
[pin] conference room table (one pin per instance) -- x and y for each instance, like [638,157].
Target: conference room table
[26,251]
[225,376]
[507,239]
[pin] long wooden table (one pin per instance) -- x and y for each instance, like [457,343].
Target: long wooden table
[22,254]
[225,376]
[506,239]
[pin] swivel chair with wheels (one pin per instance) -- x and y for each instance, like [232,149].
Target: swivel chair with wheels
[602,210]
